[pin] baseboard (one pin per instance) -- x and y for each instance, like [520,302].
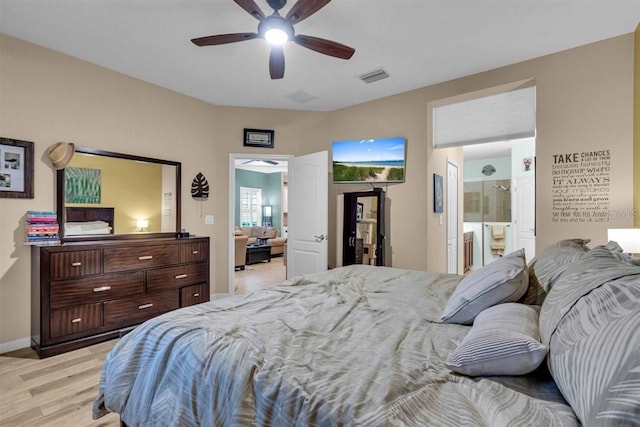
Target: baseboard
[15,345]
[218,296]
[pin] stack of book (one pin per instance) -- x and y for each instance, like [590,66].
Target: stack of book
[42,228]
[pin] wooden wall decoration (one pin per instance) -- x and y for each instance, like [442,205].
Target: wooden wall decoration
[200,187]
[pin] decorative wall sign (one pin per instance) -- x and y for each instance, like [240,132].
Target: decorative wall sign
[16,169]
[258,138]
[200,187]
[82,185]
[438,194]
[581,187]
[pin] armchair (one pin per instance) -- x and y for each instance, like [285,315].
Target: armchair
[241,251]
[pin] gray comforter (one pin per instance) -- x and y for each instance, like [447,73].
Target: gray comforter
[357,345]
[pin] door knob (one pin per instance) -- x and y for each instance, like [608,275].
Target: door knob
[320,237]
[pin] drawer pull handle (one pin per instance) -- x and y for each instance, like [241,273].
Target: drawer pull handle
[102,289]
[78,320]
[196,294]
[143,306]
[180,276]
[145,257]
[76,264]
[194,252]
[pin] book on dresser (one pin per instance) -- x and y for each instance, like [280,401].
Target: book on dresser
[88,292]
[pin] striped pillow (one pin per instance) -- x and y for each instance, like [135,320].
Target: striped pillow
[504,340]
[504,280]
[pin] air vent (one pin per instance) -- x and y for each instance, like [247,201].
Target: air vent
[374,76]
[301,97]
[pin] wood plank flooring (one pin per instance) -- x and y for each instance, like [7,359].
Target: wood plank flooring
[59,391]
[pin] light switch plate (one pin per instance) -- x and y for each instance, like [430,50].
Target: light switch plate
[208,219]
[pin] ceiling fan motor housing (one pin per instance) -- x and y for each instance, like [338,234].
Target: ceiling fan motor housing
[276,4]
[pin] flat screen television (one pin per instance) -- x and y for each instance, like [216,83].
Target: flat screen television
[379,160]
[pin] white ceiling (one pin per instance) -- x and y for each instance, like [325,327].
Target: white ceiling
[418,42]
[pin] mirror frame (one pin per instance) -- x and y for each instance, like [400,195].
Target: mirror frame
[60,205]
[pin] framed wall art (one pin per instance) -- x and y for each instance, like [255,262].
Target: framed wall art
[16,169]
[258,138]
[438,194]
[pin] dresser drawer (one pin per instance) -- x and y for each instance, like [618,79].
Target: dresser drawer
[139,257]
[75,320]
[194,252]
[64,265]
[176,277]
[130,311]
[96,289]
[194,294]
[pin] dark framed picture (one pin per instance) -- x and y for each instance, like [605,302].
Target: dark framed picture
[438,194]
[16,169]
[258,138]
[360,211]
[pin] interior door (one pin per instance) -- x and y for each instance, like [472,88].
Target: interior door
[526,215]
[452,218]
[308,214]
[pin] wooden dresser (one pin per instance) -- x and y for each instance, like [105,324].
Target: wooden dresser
[84,293]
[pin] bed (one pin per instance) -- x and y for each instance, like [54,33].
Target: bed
[357,345]
[83,221]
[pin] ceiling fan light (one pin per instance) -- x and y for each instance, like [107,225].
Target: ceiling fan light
[276,36]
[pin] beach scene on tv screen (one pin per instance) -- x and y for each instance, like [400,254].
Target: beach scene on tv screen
[369,160]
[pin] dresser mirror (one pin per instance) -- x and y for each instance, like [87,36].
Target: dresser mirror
[105,195]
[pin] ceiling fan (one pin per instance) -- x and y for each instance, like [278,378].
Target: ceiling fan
[277,30]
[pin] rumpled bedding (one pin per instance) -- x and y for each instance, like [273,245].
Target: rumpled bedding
[357,345]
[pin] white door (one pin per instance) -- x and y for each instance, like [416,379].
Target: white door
[308,214]
[525,235]
[452,217]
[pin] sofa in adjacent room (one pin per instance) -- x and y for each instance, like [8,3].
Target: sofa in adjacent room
[270,234]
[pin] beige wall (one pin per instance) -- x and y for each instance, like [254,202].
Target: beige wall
[583,99]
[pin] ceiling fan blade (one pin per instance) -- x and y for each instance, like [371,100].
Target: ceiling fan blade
[276,62]
[251,7]
[223,39]
[324,46]
[304,9]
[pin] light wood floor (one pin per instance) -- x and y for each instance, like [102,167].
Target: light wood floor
[260,275]
[59,391]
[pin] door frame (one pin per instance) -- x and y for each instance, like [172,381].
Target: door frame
[232,205]
[454,163]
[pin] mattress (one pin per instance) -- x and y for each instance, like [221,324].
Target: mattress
[357,345]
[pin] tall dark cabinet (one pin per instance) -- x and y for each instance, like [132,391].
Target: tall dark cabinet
[364,228]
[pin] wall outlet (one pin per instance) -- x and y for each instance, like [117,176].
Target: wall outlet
[208,219]
[440,219]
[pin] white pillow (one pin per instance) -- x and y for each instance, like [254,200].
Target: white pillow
[504,340]
[504,280]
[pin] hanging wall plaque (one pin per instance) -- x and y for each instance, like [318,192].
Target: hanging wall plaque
[200,187]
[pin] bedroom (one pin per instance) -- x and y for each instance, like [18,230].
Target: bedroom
[48,96]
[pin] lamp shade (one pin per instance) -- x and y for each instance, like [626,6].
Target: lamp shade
[142,223]
[267,210]
[627,238]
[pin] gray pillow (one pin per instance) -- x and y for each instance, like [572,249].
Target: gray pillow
[504,340]
[590,322]
[504,280]
[548,265]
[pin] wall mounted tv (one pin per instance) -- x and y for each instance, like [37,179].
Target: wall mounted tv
[379,160]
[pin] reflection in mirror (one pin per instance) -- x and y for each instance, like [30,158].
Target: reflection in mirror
[111,195]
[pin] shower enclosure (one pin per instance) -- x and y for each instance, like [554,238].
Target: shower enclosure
[487,213]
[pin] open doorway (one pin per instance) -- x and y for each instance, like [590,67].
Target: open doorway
[258,220]
[499,199]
